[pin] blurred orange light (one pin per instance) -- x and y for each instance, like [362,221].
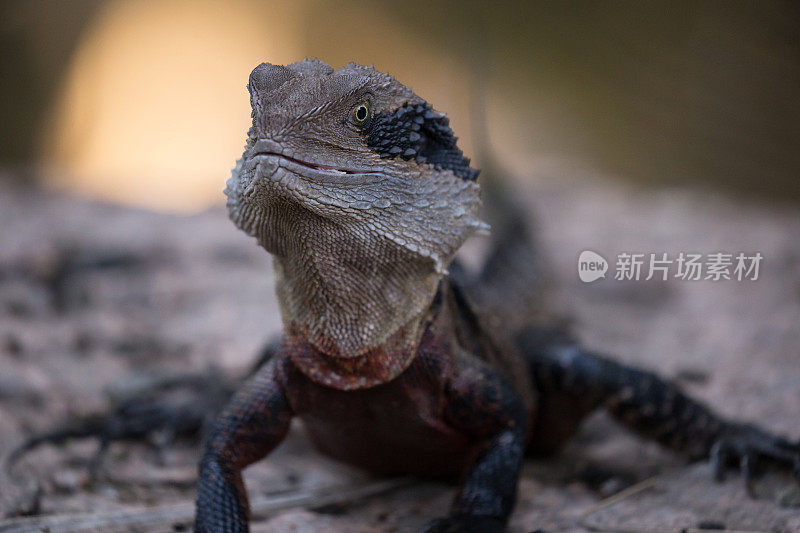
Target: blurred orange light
[154,110]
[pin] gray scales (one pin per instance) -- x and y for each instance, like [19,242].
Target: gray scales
[357,188]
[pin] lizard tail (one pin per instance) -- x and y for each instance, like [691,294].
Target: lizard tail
[513,282]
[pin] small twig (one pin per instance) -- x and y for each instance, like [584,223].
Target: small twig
[182,513]
[622,495]
[627,493]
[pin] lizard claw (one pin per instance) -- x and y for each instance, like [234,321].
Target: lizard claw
[748,447]
[748,467]
[719,456]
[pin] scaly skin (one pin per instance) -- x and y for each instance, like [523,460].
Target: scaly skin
[357,188]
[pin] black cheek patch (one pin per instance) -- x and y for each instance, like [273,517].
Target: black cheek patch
[420,133]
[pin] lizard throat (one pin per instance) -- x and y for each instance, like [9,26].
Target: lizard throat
[369,330]
[320,362]
[378,365]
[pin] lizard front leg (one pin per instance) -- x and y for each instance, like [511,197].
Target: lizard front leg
[482,404]
[574,381]
[253,424]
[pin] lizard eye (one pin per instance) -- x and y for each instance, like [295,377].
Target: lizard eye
[360,114]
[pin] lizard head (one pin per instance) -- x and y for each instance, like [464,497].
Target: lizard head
[357,149]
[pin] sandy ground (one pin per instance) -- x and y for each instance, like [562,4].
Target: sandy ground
[93,294]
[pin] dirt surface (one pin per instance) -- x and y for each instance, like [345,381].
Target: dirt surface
[94,297]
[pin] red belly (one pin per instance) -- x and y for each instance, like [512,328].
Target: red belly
[396,427]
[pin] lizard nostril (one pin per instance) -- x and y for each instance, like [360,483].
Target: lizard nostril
[266,78]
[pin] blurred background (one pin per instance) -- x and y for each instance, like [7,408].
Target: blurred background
[144,102]
[626,126]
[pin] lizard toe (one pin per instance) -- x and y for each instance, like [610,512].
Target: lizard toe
[748,447]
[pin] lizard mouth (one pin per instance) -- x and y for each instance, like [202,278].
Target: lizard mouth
[319,172]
